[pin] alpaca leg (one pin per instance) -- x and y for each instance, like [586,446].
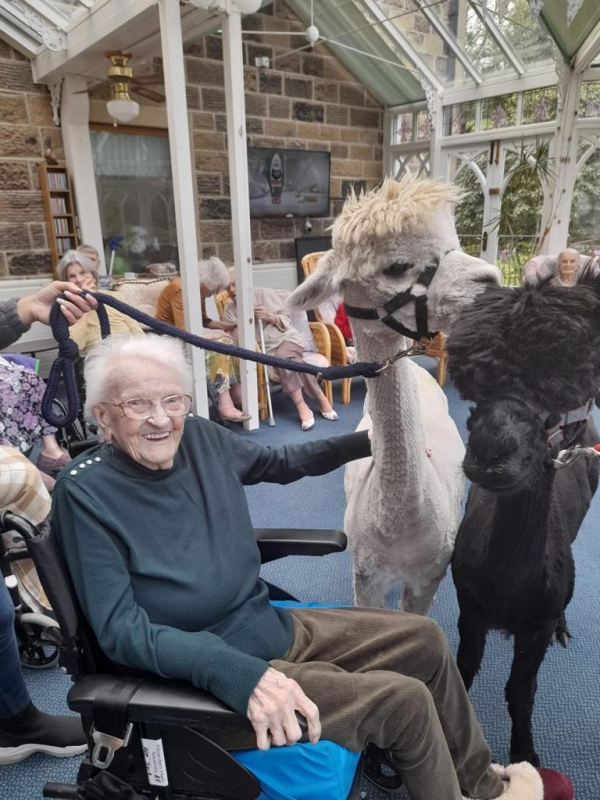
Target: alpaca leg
[529,651]
[561,633]
[419,603]
[472,632]
[369,588]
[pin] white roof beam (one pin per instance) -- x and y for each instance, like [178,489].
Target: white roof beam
[49,12]
[498,37]
[19,36]
[95,27]
[437,24]
[588,51]
[404,44]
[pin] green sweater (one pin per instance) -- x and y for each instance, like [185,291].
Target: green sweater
[165,564]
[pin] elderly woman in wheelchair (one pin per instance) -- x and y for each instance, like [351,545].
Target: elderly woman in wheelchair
[156,533]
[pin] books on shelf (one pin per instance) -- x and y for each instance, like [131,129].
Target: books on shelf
[57,181]
[58,205]
[64,244]
[61,226]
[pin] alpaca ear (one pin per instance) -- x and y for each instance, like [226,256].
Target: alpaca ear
[320,285]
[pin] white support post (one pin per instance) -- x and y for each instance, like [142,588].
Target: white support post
[75,116]
[492,205]
[183,187]
[437,167]
[558,196]
[240,204]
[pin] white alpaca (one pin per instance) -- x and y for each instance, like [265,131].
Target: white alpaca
[403,503]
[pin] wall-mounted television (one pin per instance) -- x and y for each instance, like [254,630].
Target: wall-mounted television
[288,182]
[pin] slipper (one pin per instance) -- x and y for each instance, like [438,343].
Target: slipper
[240,418]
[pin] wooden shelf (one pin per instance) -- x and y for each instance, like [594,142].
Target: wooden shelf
[58,205]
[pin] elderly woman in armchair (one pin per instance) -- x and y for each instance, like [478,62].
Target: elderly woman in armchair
[191,605]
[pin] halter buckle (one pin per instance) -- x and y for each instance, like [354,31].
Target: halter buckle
[416,349]
[568,456]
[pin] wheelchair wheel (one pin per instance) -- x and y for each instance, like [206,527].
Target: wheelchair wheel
[39,640]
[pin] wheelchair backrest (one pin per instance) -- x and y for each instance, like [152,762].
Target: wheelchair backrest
[82,654]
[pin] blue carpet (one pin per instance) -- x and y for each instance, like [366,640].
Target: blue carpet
[567,712]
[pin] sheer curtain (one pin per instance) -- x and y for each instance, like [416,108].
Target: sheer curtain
[135,194]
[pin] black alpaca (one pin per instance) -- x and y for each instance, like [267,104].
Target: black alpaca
[524,356]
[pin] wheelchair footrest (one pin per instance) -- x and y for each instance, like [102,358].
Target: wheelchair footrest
[379,770]
[66,791]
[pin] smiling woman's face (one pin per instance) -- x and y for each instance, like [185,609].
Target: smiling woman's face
[152,442]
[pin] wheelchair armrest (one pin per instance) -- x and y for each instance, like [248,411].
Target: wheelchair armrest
[164,702]
[275,543]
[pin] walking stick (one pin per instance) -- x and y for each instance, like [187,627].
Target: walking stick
[271,419]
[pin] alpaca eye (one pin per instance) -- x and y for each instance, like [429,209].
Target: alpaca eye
[398,269]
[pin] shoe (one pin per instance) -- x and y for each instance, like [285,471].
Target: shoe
[239,418]
[306,424]
[32,731]
[47,464]
[330,415]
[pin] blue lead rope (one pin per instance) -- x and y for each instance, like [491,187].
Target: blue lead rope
[68,352]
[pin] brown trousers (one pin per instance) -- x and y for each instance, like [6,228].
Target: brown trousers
[290,381]
[389,678]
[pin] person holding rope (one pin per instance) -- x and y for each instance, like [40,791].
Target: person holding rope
[24,729]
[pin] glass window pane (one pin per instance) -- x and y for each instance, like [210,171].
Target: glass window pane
[460,118]
[522,32]
[498,112]
[539,105]
[468,214]
[482,49]
[135,193]
[415,163]
[585,210]
[423,125]
[403,130]
[589,99]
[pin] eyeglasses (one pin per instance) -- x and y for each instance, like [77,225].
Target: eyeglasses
[176,405]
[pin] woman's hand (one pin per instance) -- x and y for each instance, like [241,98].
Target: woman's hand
[36,307]
[272,707]
[260,312]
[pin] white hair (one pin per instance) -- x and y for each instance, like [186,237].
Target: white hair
[213,275]
[568,251]
[74,257]
[88,248]
[99,368]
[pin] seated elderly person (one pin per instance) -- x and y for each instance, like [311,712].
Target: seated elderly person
[191,604]
[223,370]
[77,268]
[563,270]
[283,341]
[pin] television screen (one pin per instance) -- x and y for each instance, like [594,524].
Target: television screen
[288,182]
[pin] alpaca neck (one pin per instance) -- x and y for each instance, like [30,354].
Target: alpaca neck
[398,439]
[520,528]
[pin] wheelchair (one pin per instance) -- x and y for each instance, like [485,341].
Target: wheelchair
[156,737]
[38,635]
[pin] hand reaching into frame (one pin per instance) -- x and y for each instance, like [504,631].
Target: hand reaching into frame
[272,711]
[36,307]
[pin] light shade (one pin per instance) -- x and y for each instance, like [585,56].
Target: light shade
[248,6]
[123,110]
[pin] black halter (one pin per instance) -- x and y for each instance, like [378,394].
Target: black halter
[385,313]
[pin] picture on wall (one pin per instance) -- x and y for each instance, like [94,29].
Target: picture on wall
[288,182]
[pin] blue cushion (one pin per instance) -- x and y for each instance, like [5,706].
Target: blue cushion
[304,771]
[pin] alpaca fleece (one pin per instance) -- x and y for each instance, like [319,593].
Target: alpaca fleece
[524,356]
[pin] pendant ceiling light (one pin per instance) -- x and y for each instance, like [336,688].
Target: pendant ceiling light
[120,107]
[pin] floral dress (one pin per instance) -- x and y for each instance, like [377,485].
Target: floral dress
[21,422]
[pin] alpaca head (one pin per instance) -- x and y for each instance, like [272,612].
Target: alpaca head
[507,447]
[384,242]
[524,356]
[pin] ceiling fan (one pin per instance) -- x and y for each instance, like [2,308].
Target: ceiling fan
[121,80]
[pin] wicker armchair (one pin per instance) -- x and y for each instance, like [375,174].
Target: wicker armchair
[436,348]
[339,352]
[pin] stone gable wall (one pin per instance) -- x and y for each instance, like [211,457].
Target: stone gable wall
[305,100]
[26,131]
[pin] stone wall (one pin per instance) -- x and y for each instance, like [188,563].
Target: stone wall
[306,100]
[26,131]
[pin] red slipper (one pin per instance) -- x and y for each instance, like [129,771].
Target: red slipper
[556,785]
[47,464]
